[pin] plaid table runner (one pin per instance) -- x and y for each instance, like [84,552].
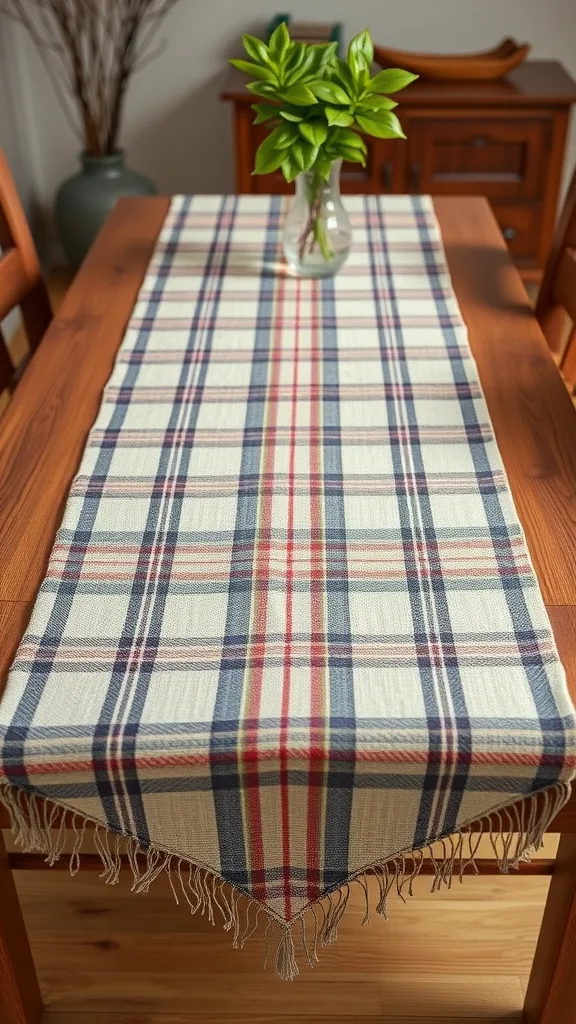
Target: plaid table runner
[289,633]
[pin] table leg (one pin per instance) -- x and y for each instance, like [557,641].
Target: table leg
[20,998]
[551,994]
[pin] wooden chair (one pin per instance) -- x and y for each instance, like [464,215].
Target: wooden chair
[557,297]
[21,281]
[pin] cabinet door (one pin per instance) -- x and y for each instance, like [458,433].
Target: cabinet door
[491,156]
[384,171]
[521,225]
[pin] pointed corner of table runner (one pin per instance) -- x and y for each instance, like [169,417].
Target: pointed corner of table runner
[515,832]
[290,639]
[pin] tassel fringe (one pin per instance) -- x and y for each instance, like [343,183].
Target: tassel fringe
[514,832]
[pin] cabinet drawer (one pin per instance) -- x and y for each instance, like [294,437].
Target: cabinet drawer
[520,224]
[491,156]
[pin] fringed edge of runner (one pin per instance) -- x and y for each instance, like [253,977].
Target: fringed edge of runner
[515,832]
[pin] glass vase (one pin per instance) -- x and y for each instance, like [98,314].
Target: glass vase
[317,235]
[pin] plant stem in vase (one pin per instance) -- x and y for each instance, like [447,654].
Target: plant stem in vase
[317,235]
[318,106]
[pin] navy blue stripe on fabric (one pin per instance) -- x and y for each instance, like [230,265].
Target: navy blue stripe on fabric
[512,585]
[452,779]
[112,787]
[384,782]
[146,608]
[226,779]
[392,339]
[15,740]
[339,777]
[363,726]
[378,533]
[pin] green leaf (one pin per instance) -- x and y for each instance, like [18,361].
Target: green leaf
[323,165]
[272,152]
[264,112]
[279,43]
[351,139]
[338,117]
[304,154]
[360,54]
[353,156]
[255,70]
[328,53]
[328,91]
[264,89]
[285,135]
[312,157]
[300,95]
[390,80]
[382,124]
[267,160]
[361,49]
[291,115]
[343,73]
[312,66]
[298,153]
[361,73]
[375,102]
[290,168]
[256,49]
[296,55]
[319,57]
[314,132]
[304,69]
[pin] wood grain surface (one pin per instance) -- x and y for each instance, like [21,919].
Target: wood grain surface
[533,417]
[43,431]
[551,993]
[463,953]
[20,998]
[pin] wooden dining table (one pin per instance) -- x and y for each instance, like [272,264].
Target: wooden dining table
[42,437]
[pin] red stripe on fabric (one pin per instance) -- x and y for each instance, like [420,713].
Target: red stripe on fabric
[319,755]
[312,575]
[369,545]
[259,622]
[317,647]
[285,708]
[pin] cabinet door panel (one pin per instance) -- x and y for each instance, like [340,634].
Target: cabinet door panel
[501,157]
[520,223]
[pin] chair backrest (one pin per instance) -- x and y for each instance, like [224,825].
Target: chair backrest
[21,281]
[557,296]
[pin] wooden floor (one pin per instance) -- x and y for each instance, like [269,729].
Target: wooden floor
[107,956]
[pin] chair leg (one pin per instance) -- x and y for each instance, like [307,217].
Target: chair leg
[551,994]
[568,363]
[20,998]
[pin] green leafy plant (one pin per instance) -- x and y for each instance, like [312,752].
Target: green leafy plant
[318,106]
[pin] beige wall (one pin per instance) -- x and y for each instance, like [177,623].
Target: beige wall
[14,140]
[177,131]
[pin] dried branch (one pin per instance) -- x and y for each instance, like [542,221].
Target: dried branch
[91,49]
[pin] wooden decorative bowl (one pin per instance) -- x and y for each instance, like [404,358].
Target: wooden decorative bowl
[491,64]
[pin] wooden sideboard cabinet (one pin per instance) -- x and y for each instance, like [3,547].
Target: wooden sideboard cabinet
[503,139]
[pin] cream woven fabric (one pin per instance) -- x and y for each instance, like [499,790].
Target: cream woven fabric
[290,629]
